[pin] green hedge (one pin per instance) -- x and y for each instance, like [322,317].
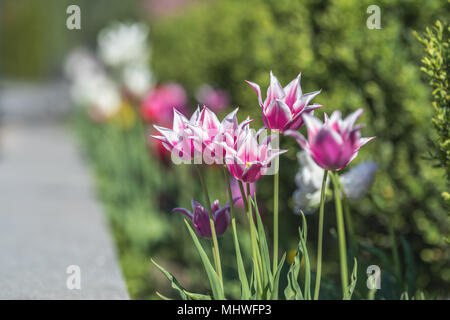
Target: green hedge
[226,42]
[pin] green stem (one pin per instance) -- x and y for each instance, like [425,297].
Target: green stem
[275,216]
[243,195]
[320,236]
[213,228]
[240,263]
[341,237]
[395,254]
[253,241]
[348,217]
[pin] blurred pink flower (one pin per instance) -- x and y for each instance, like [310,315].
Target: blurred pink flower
[200,218]
[284,107]
[158,104]
[216,99]
[333,144]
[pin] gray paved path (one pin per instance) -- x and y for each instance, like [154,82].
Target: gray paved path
[50,218]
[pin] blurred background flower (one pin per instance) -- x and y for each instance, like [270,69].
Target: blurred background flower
[216,99]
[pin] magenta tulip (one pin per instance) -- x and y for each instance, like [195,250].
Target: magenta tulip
[200,217]
[284,107]
[333,144]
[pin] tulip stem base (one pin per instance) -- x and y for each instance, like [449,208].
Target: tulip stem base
[216,254]
[276,179]
[320,236]
[341,237]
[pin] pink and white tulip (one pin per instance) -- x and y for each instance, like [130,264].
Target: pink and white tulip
[179,138]
[283,108]
[249,159]
[333,144]
[209,133]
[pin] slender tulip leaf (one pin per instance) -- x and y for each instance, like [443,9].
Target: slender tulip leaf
[245,288]
[354,278]
[404,296]
[162,296]
[293,290]
[303,239]
[214,281]
[263,247]
[174,282]
[276,278]
[197,296]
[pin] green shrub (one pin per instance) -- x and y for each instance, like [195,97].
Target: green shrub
[226,42]
[436,66]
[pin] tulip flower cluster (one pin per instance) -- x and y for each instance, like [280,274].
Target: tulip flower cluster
[247,155]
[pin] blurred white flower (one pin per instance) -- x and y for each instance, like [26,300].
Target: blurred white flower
[122,44]
[137,79]
[81,63]
[97,92]
[309,181]
[358,180]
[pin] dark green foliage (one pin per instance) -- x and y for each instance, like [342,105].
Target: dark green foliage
[436,66]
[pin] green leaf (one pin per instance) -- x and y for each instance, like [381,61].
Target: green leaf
[293,290]
[245,289]
[264,249]
[303,239]
[197,296]
[276,279]
[174,282]
[354,278]
[162,296]
[216,287]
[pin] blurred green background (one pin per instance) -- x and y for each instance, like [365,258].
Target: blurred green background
[227,42]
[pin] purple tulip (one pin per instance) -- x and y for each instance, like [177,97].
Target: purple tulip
[249,160]
[333,144]
[284,107]
[200,217]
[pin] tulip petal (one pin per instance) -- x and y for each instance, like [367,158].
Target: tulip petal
[179,120]
[298,136]
[184,211]
[305,100]
[293,92]
[258,91]
[274,91]
[313,125]
[278,114]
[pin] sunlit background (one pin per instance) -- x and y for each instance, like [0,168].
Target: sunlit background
[197,52]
